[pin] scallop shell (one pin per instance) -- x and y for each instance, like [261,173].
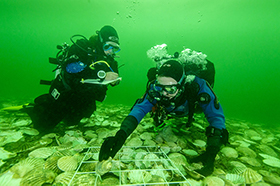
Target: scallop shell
[45,141]
[147,135]
[107,182]
[251,176]
[229,152]
[38,177]
[251,161]
[51,163]
[159,170]
[272,162]
[235,178]
[21,123]
[267,150]
[138,176]
[22,147]
[134,142]
[6,154]
[63,153]
[246,151]
[238,167]
[179,161]
[103,166]
[63,179]
[150,159]
[23,167]
[65,146]
[29,131]
[213,181]
[67,163]
[251,133]
[270,177]
[140,156]
[7,179]
[88,167]
[190,152]
[50,135]
[43,152]
[87,179]
[199,143]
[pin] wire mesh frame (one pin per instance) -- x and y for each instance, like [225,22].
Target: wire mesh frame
[157,150]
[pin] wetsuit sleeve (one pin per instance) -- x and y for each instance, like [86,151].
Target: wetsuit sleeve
[212,108]
[136,115]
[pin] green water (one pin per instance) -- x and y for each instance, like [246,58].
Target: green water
[240,36]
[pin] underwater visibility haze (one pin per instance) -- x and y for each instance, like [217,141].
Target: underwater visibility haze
[240,37]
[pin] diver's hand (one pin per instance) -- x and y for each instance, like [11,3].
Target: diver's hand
[112,145]
[207,159]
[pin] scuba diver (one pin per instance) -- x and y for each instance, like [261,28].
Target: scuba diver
[176,91]
[84,71]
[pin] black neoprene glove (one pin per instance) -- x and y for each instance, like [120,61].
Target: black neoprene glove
[112,145]
[215,139]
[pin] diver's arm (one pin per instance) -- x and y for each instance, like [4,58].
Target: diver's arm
[113,144]
[137,113]
[216,133]
[211,108]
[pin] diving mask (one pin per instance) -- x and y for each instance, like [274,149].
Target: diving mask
[170,89]
[111,46]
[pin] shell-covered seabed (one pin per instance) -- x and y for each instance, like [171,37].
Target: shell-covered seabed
[69,155]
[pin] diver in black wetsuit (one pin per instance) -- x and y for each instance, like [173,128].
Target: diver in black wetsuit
[83,70]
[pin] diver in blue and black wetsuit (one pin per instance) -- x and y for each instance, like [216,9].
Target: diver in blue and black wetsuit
[83,69]
[171,89]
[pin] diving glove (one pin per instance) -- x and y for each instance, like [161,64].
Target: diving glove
[215,139]
[112,145]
